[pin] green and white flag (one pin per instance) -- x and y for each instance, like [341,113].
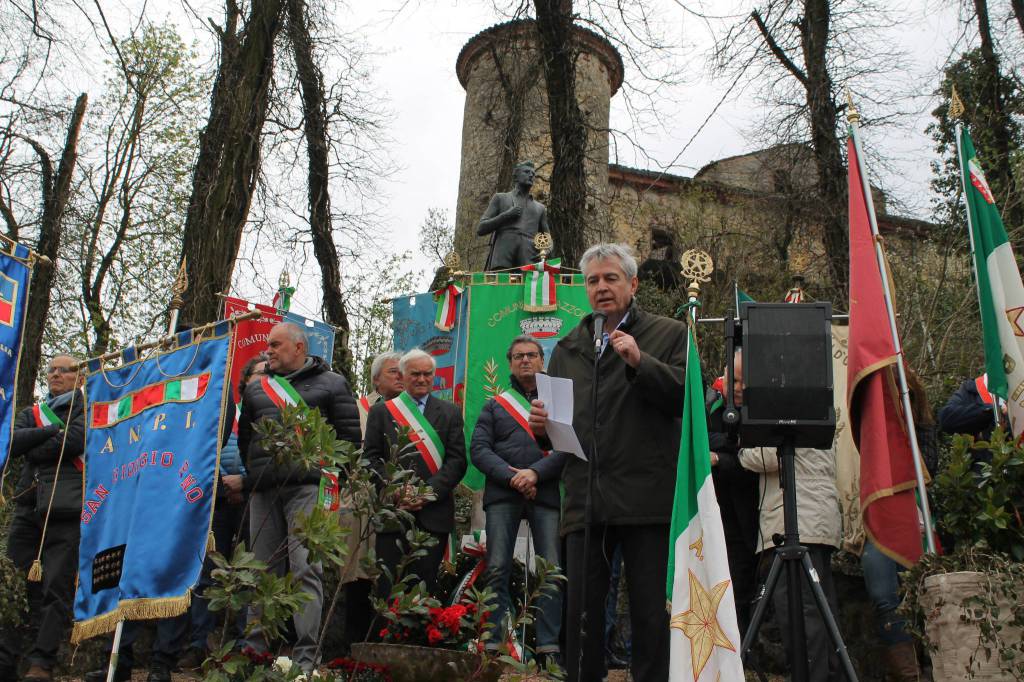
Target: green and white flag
[1000,293]
[705,637]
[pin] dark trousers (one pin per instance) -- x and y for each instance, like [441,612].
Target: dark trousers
[168,641]
[822,663]
[226,526]
[645,558]
[49,601]
[391,547]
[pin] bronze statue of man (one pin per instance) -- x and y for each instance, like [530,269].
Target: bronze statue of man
[513,218]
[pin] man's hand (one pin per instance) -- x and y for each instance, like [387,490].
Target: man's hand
[233,487]
[538,419]
[625,346]
[409,500]
[714,459]
[524,481]
[512,213]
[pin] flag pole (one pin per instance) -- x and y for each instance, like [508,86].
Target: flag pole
[853,117]
[956,110]
[178,290]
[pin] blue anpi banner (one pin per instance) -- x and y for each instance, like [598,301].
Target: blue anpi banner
[153,437]
[15,273]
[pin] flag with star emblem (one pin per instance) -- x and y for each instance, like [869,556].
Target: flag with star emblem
[1000,293]
[705,639]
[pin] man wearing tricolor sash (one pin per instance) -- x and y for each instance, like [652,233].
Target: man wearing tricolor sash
[522,482]
[386,378]
[49,437]
[971,411]
[436,454]
[280,491]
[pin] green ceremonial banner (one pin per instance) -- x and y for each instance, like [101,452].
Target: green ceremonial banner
[496,316]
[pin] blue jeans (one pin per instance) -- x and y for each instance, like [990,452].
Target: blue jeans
[881,578]
[502,526]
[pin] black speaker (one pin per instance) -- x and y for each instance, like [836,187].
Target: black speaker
[787,374]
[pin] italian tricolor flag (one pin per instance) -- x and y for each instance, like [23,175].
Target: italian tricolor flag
[183,390]
[705,638]
[280,391]
[447,305]
[1000,293]
[540,291]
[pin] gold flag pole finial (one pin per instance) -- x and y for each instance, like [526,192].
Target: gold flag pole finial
[956,105]
[178,290]
[284,280]
[697,267]
[852,115]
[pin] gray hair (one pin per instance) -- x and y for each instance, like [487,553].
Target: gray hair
[620,252]
[415,354]
[378,363]
[296,333]
[523,338]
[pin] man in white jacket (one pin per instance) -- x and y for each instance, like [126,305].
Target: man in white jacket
[820,525]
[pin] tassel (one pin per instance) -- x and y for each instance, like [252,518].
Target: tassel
[35,574]
[211,543]
[3,500]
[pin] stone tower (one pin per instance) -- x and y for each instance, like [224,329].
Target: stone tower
[506,120]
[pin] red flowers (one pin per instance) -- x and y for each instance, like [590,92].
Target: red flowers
[434,636]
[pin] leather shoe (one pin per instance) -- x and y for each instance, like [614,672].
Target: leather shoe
[122,673]
[159,673]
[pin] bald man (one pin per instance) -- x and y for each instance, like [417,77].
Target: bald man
[281,490]
[49,438]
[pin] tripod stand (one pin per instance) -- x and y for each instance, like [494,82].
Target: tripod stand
[792,556]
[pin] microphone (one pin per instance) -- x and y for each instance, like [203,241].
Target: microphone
[599,319]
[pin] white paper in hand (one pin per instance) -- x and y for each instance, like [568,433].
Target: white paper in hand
[556,394]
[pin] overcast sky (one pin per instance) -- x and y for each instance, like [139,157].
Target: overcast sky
[416,45]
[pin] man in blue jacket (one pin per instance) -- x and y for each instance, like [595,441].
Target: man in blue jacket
[522,482]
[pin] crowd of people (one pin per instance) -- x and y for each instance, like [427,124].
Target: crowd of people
[623,491]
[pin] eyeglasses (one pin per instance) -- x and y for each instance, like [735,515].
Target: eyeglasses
[532,355]
[61,370]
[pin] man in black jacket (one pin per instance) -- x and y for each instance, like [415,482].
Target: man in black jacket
[522,482]
[438,459]
[280,491]
[971,411]
[50,437]
[633,444]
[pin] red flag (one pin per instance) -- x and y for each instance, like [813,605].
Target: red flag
[887,477]
[250,336]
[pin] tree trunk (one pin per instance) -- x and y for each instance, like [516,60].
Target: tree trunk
[55,190]
[568,129]
[1018,12]
[314,116]
[229,156]
[814,30]
[999,167]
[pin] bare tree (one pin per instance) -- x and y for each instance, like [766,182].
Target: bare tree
[229,153]
[55,190]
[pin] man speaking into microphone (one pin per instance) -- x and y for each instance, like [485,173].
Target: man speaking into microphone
[632,442]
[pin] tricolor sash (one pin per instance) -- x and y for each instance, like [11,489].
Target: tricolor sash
[280,391]
[406,413]
[364,403]
[238,418]
[446,297]
[44,416]
[539,286]
[517,406]
[981,384]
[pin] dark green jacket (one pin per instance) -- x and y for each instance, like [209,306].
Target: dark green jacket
[638,421]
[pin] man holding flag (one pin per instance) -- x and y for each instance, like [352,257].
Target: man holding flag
[282,491]
[43,537]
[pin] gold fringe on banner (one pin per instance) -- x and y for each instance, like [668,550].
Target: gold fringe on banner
[35,573]
[131,609]
[211,543]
